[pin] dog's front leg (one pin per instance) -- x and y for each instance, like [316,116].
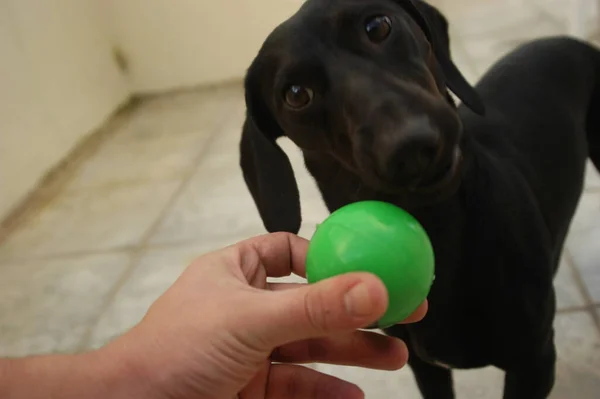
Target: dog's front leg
[434,382]
[533,379]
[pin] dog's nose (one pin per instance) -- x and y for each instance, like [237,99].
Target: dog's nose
[414,152]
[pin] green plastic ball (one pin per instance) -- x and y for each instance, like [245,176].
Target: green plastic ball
[379,238]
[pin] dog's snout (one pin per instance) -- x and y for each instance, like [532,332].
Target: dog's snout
[415,149]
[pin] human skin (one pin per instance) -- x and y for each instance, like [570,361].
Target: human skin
[222,332]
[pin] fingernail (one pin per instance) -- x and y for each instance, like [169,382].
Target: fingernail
[358,301]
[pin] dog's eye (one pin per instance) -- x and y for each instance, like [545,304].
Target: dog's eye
[378,28]
[298,97]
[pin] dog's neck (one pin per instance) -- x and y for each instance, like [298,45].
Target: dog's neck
[340,187]
[444,221]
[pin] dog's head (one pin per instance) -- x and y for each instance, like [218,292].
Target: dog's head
[364,82]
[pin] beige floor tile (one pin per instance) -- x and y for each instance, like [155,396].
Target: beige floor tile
[182,111]
[90,221]
[462,59]
[376,384]
[559,11]
[293,279]
[486,383]
[490,29]
[486,49]
[503,20]
[592,178]
[162,139]
[567,292]
[124,161]
[578,346]
[583,242]
[459,10]
[314,209]
[154,273]
[464,16]
[483,31]
[47,306]
[217,203]
[478,384]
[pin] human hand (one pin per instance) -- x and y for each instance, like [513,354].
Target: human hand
[221,331]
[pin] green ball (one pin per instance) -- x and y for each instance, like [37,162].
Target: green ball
[378,238]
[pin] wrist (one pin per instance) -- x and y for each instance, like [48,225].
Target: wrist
[51,376]
[124,373]
[99,374]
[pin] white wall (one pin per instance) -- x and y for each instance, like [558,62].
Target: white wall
[179,43]
[58,82]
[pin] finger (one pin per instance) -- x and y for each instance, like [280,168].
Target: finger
[418,314]
[280,254]
[358,349]
[297,382]
[332,306]
[416,317]
[257,387]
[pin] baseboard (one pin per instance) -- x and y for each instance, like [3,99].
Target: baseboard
[51,183]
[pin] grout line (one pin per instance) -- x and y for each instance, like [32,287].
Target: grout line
[144,247]
[198,160]
[547,15]
[139,250]
[575,309]
[206,87]
[133,182]
[592,190]
[53,182]
[56,179]
[579,281]
[67,255]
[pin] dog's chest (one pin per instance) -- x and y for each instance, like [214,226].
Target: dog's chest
[443,365]
[449,348]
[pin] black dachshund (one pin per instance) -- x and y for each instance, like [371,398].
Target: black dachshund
[362,87]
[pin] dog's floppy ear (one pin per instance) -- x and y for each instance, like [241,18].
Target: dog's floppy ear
[435,27]
[266,168]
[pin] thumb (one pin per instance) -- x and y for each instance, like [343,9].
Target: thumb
[339,304]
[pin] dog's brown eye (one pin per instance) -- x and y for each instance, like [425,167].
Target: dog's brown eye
[298,97]
[378,28]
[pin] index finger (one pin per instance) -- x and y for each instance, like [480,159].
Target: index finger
[279,254]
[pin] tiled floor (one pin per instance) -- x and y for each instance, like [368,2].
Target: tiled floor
[165,187]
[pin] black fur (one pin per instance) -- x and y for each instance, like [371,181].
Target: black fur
[497,224]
